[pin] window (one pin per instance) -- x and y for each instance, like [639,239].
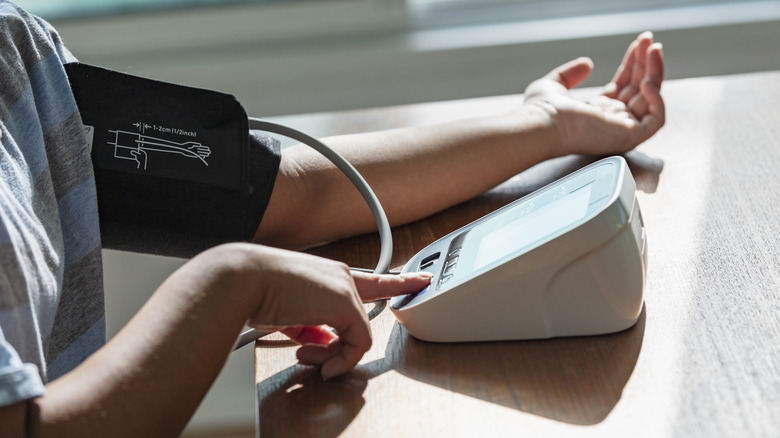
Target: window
[438,13]
[54,9]
[291,56]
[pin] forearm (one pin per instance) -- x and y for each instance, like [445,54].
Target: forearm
[149,379]
[415,172]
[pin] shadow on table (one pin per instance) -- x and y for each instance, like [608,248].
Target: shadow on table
[576,380]
[297,403]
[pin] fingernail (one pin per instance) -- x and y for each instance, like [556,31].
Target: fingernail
[646,34]
[417,275]
[586,60]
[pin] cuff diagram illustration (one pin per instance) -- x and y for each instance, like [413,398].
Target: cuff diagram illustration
[139,147]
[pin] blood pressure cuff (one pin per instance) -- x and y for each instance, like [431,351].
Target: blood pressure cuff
[177,169]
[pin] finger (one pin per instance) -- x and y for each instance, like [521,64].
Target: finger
[640,58]
[345,360]
[655,64]
[310,334]
[638,70]
[375,286]
[325,356]
[625,71]
[610,90]
[354,337]
[638,106]
[655,115]
[315,354]
[656,109]
[572,73]
[627,93]
[654,72]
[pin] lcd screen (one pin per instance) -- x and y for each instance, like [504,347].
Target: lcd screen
[519,234]
[529,223]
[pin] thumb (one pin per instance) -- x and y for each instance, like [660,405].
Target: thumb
[377,286]
[572,73]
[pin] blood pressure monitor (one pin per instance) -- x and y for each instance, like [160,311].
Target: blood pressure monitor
[566,260]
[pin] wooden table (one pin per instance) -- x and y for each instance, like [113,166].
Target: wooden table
[704,358]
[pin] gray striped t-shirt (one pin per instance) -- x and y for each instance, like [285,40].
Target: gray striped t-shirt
[51,283]
[51,291]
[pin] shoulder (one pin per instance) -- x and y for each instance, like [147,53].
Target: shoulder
[33,83]
[27,37]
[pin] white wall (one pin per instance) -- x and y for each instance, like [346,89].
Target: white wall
[130,279]
[259,57]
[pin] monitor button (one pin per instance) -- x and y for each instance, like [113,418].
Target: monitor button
[452,261]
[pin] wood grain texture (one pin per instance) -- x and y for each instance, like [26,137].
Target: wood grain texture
[701,361]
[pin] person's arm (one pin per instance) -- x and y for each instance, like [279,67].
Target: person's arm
[418,171]
[148,380]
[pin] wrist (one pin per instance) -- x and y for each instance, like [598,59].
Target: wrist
[229,273]
[541,124]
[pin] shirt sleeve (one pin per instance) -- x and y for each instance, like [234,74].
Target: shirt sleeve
[18,381]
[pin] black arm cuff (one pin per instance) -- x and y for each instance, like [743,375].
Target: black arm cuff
[142,213]
[176,168]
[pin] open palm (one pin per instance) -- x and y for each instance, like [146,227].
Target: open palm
[629,110]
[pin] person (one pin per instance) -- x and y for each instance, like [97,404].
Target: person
[58,376]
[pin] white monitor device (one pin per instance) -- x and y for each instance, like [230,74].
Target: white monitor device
[569,259]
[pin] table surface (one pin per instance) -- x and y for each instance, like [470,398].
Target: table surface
[701,361]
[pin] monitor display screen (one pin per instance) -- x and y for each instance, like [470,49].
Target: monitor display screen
[518,234]
[529,223]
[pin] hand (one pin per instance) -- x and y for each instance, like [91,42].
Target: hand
[302,292]
[629,110]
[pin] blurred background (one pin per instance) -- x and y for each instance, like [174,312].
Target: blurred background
[283,57]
